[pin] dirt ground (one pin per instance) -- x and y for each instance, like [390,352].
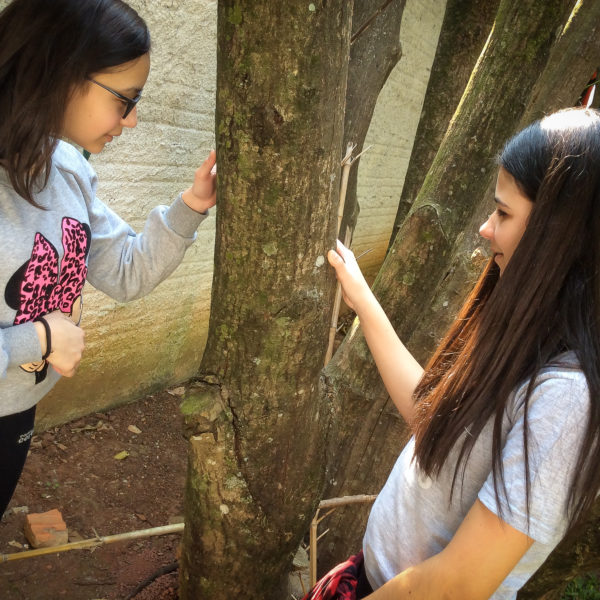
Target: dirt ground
[73,468]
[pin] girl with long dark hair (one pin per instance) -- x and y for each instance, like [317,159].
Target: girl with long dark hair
[69,70]
[505,456]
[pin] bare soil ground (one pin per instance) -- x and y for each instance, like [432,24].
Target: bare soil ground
[73,468]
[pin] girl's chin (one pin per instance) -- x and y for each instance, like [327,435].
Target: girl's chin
[499,260]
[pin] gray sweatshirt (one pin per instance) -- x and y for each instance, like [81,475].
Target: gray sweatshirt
[47,255]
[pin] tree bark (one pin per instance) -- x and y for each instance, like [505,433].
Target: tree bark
[466,26]
[418,262]
[574,58]
[375,50]
[256,419]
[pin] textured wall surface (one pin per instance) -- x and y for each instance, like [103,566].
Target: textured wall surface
[393,128]
[152,343]
[156,341]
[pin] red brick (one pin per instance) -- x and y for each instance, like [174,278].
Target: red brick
[44,530]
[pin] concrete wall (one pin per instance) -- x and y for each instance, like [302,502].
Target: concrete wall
[393,127]
[152,343]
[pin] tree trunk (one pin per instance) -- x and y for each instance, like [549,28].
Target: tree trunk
[256,419]
[419,260]
[466,26]
[573,60]
[374,51]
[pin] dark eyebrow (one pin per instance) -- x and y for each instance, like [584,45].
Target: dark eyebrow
[498,201]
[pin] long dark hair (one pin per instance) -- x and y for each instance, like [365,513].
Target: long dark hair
[47,50]
[547,301]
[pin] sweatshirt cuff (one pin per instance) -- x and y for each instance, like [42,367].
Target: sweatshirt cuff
[182,219]
[22,344]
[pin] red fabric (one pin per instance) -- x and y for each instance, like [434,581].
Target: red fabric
[339,583]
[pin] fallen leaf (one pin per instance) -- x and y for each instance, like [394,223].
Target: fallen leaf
[122,455]
[134,429]
[20,509]
[15,544]
[85,428]
[75,536]
[178,391]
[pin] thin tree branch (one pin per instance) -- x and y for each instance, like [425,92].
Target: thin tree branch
[368,22]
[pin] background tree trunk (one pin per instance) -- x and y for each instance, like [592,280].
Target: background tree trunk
[572,60]
[255,416]
[374,51]
[466,26]
[370,430]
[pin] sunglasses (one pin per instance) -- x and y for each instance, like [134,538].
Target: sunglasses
[129,102]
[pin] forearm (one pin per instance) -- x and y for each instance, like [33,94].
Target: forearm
[422,582]
[398,368]
[433,579]
[482,553]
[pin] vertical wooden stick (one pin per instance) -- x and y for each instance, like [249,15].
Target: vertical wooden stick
[313,549]
[346,164]
[331,504]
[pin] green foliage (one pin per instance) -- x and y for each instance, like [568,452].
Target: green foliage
[586,587]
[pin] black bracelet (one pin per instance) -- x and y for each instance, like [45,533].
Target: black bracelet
[48,337]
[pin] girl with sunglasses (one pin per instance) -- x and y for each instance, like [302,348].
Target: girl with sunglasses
[69,70]
[505,453]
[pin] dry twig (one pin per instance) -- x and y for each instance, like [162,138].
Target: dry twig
[331,504]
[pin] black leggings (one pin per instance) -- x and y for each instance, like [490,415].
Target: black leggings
[15,435]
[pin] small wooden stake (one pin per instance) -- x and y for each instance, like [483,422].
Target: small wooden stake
[331,504]
[346,164]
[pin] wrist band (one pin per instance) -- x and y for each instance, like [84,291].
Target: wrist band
[48,337]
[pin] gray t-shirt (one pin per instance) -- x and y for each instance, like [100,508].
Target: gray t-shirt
[413,519]
[47,255]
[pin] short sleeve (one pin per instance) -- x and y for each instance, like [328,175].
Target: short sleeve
[557,418]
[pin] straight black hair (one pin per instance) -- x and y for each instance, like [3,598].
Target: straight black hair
[546,302]
[49,48]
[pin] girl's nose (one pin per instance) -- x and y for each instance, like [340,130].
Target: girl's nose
[486,230]
[131,119]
